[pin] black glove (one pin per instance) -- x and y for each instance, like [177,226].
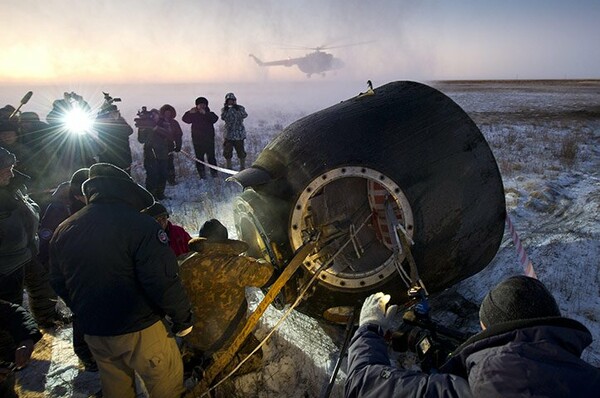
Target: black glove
[177,148]
[180,329]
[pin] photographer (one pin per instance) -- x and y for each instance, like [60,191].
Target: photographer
[525,349]
[113,132]
[155,133]
[202,120]
[235,133]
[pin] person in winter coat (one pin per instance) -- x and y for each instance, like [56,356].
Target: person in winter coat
[34,134]
[235,133]
[66,200]
[525,349]
[113,133]
[72,146]
[158,142]
[203,134]
[113,267]
[169,114]
[18,335]
[178,237]
[215,276]
[19,219]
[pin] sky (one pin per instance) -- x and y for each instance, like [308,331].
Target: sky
[127,41]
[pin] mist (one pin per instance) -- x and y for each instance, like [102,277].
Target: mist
[182,41]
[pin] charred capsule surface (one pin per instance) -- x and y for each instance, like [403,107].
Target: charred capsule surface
[407,155]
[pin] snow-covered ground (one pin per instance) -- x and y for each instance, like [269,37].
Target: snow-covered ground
[545,136]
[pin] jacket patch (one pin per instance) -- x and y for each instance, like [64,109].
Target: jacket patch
[385,374]
[45,234]
[162,237]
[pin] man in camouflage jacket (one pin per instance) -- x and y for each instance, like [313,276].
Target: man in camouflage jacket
[235,133]
[215,277]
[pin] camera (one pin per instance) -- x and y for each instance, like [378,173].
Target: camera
[432,343]
[144,119]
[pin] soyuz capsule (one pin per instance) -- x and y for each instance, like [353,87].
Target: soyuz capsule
[406,156]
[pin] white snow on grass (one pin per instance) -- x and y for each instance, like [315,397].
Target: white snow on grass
[545,137]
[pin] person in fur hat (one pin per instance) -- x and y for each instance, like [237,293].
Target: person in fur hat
[215,276]
[113,267]
[169,113]
[203,120]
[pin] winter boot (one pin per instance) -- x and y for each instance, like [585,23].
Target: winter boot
[242,163]
[229,166]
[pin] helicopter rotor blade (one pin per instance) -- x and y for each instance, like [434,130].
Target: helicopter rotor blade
[325,47]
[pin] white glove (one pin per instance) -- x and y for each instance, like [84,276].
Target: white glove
[373,311]
[184,332]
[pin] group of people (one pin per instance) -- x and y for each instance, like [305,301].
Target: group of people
[147,298]
[49,152]
[105,246]
[133,280]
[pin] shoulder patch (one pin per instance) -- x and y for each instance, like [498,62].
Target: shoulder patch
[385,374]
[45,234]
[162,237]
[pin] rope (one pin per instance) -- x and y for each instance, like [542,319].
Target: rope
[303,291]
[523,257]
[212,166]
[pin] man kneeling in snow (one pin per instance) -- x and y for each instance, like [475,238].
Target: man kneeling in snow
[215,277]
[525,349]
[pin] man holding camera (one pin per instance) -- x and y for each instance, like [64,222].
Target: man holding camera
[525,349]
[202,120]
[235,133]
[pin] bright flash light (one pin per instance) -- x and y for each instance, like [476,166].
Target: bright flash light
[78,121]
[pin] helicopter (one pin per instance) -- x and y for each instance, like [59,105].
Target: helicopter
[316,62]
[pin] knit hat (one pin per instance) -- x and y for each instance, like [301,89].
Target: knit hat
[230,96]
[213,231]
[201,100]
[7,158]
[77,181]
[517,298]
[156,210]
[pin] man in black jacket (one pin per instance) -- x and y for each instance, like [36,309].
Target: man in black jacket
[525,349]
[66,200]
[19,218]
[113,267]
[203,134]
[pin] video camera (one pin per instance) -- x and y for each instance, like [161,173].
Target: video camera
[432,343]
[144,118]
[109,100]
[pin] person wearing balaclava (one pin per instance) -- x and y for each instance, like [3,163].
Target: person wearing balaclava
[526,348]
[113,267]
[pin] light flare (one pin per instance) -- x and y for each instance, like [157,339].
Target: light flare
[78,121]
